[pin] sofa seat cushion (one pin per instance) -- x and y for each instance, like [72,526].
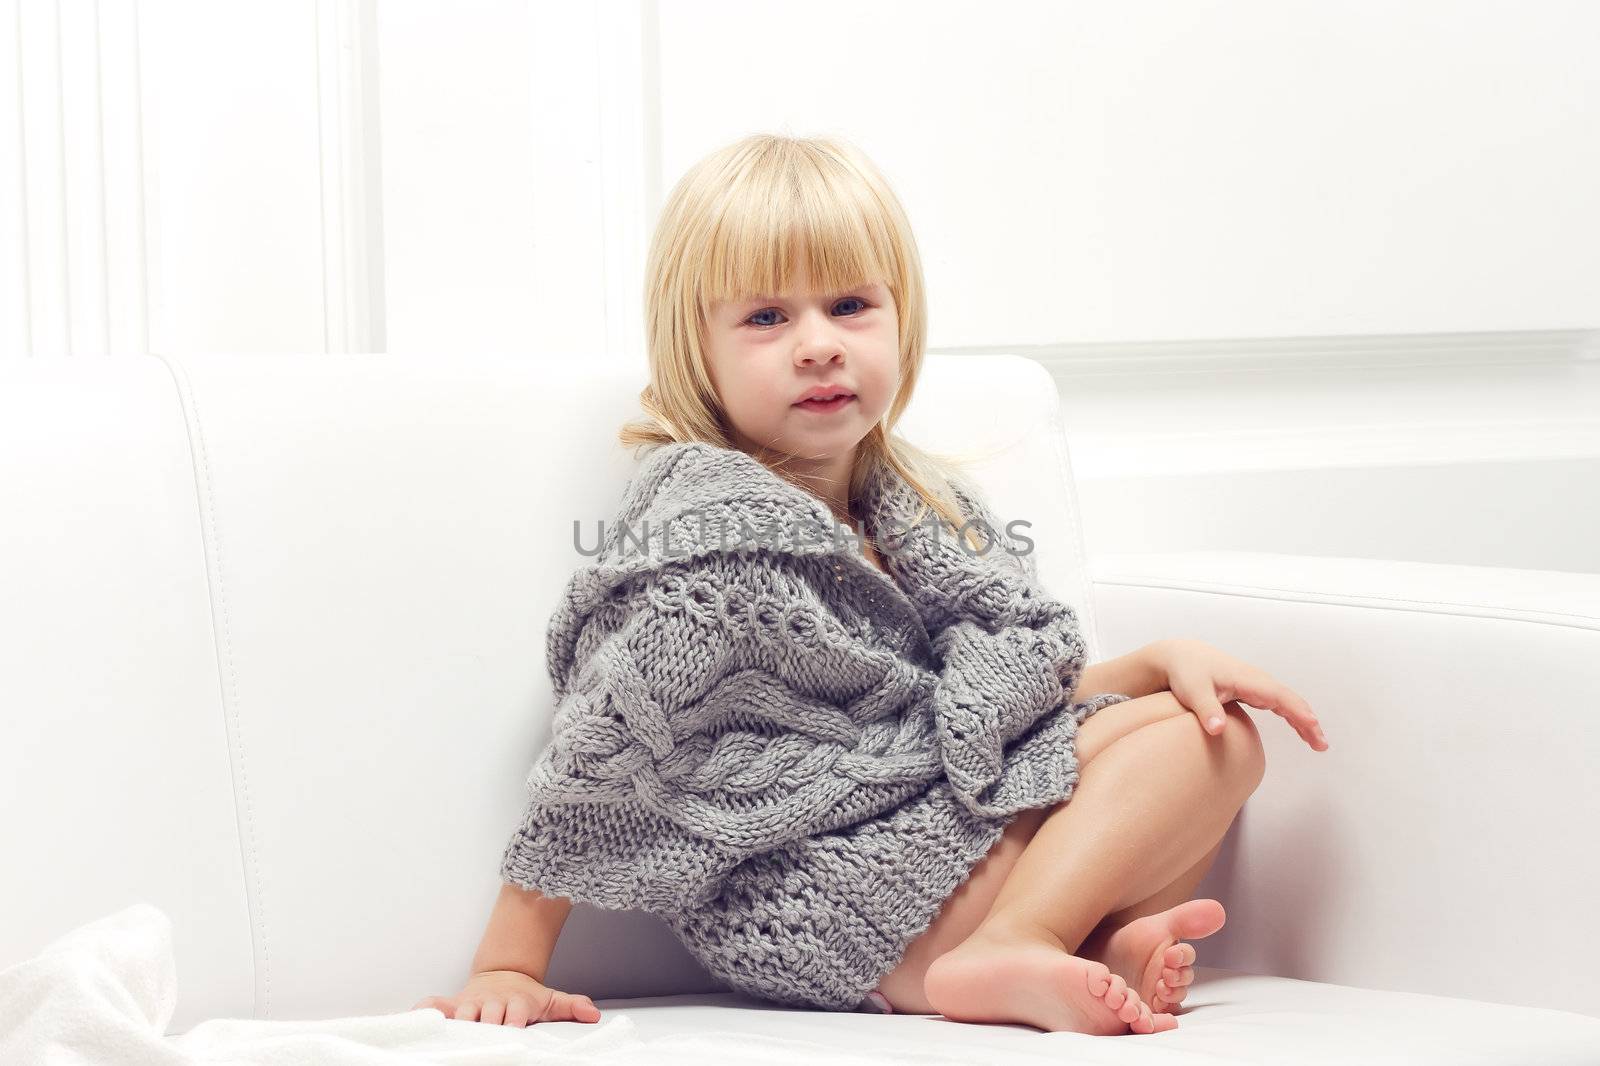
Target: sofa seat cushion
[1229,1017]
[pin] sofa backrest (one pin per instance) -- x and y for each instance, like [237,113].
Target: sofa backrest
[272,658]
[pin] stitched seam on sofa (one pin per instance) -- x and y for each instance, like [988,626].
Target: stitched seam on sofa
[1465,610]
[222,639]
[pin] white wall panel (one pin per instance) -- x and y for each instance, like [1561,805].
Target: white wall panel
[515,174]
[458,188]
[124,170]
[44,178]
[15,330]
[232,99]
[72,211]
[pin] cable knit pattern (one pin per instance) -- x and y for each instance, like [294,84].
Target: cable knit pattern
[790,756]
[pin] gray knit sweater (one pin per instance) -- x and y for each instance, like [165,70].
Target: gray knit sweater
[790,756]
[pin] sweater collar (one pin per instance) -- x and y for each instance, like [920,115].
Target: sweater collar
[692,499]
[689,500]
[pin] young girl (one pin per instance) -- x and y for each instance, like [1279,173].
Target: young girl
[842,774]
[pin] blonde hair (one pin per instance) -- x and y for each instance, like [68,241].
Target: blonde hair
[736,224]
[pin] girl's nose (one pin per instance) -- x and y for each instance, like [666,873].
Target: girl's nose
[819,346]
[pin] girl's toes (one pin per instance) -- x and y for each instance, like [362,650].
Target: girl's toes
[1144,1023]
[1117,992]
[1131,1008]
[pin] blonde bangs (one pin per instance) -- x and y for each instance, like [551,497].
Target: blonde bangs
[794,207]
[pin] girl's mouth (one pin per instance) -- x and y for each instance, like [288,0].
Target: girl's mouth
[824,406]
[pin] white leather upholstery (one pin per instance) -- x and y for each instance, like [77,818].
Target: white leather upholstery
[1444,842]
[271,658]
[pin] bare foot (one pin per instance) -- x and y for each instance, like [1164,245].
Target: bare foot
[1148,954]
[995,976]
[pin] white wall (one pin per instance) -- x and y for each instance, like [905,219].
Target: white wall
[72,179]
[1083,172]
[1156,169]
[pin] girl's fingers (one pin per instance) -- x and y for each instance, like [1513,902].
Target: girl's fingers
[1288,705]
[518,1010]
[1313,738]
[1304,719]
[578,1008]
[1312,734]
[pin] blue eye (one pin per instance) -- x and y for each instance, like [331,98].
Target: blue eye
[765,310]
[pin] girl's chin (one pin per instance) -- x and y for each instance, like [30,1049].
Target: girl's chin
[817,447]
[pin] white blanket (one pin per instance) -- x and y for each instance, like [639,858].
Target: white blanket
[104,993]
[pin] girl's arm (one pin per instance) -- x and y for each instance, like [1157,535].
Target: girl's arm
[1135,674]
[522,932]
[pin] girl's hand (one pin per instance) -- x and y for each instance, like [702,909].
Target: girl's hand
[1204,678]
[509,997]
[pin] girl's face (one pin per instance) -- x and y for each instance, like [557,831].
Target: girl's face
[768,352]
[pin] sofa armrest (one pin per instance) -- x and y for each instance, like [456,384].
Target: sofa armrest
[1444,843]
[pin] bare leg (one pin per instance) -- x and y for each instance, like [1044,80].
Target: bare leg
[964,911]
[1150,956]
[1179,891]
[1127,947]
[1128,951]
[1099,732]
[1146,811]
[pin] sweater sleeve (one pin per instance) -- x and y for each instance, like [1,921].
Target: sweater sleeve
[1003,708]
[1006,721]
[677,751]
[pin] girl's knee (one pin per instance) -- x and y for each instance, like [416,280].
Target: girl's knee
[1239,746]
[1115,721]
[1235,756]
[1243,744]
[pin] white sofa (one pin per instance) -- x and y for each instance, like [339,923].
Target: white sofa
[271,659]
